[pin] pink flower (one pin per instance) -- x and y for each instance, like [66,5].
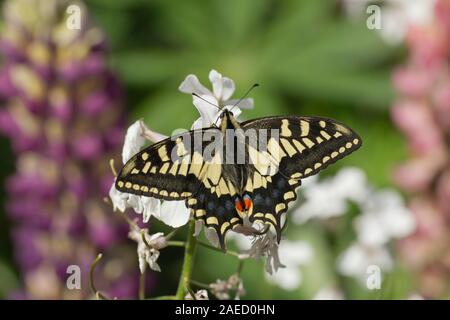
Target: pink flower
[415,119]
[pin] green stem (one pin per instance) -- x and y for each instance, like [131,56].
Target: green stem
[188,262]
[97,293]
[199,284]
[176,243]
[228,252]
[142,285]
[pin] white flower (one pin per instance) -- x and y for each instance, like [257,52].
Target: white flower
[384,217]
[172,213]
[134,141]
[294,254]
[199,295]
[329,293]
[265,245]
[223,289]
[329,198]
[355,260]
[148,253]
[223,88]
[121,201]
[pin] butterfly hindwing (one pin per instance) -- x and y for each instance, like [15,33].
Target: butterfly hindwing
[271,201]
[216,211]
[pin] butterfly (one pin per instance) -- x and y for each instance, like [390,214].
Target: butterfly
[237,171]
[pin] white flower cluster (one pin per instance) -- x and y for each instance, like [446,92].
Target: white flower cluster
[225,290]
[382,217]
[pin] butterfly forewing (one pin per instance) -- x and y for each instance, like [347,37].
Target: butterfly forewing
[170,169]
[306,145]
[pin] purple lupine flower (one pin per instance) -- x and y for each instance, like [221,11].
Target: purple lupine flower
[62,110]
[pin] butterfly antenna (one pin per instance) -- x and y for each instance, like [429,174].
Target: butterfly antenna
[196,95]
[245,95]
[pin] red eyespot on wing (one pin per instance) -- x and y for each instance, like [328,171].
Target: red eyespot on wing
[248,203]
[239,205]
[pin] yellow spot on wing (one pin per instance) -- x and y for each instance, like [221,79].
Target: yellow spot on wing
[174,168]
[224,227]
[233,220]
[296,175]
[308,142]
[196,164]
[200,212]
[164,168]
[288,147]
[223,187]
[279,207]
[304,128]
[271,217]
[212,220]
[249,185]
[146,167]
[300,147]
[285,132]
[325,135]
[162,151]
[289,195]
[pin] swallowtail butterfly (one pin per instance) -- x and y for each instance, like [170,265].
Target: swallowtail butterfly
[259,187]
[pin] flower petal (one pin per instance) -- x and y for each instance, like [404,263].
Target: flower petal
[216,80]
[207,111]
[151,207]
[122,201]
[191,85]
[211,235]
[174,213]
[247,103]
[228,88]
[151,135]
[223,87]
[134,141]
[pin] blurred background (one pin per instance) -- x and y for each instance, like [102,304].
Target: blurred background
[67,97]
